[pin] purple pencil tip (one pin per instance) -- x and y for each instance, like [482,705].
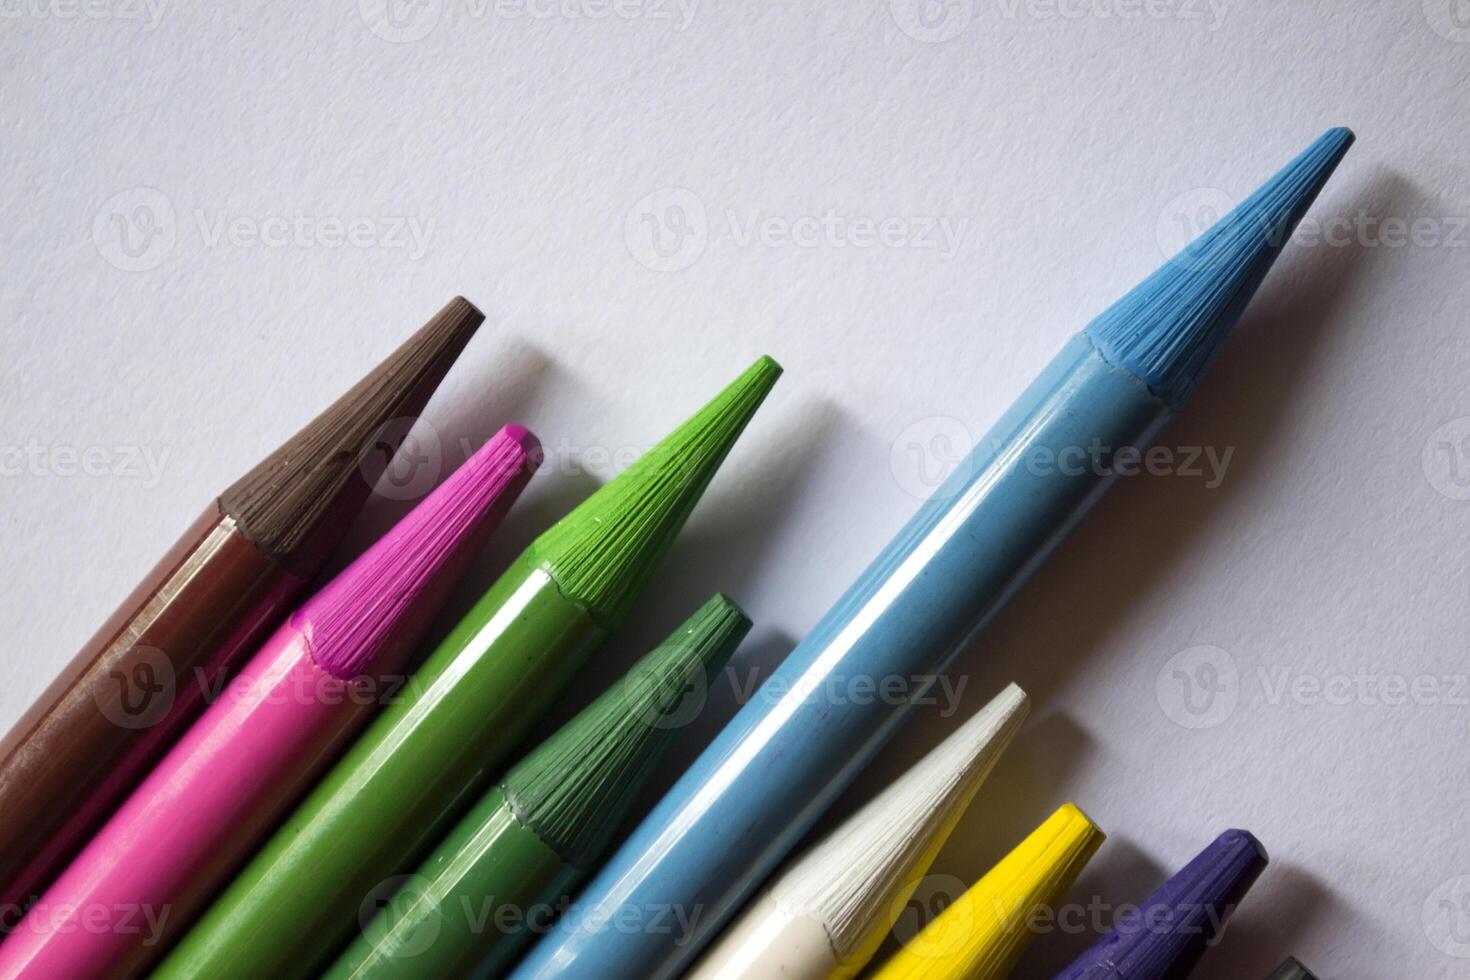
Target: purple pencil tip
[373,613]
[1170,931]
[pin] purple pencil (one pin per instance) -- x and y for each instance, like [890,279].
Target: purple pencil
[1166,936]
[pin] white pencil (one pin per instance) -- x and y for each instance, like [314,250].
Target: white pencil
[828,911]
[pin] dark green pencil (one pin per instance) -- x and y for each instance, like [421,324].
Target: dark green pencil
[1292,969]
[498,877]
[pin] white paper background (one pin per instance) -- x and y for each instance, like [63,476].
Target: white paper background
[1066,147]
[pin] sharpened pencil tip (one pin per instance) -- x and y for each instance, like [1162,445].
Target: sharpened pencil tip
[1171,930]
[604,551]
[575,787]
[297,503]
[375,610]
[1168,329]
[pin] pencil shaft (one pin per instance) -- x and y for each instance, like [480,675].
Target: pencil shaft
[790,751]
[96,730]
[142,678]
[174,840]
[459,915]
[983,932]
[398,788]
[770,941]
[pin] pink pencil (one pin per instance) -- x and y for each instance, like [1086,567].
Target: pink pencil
[252,754]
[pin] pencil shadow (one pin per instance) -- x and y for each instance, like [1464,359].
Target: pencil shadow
[1137,536]
[722,549]
[1026,785]
[1273,920]
[728,691]
[1120,875]
[457,421]
[1141,533]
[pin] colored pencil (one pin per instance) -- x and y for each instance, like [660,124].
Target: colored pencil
[531,838]
[431,754]
[1165,937]
[984,932]
[1292,969]
[829,911]
[78,751]
[792,748]
[195,818]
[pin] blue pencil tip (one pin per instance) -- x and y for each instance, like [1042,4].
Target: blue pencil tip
[1168,329]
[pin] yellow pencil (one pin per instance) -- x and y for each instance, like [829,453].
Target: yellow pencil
[986,930]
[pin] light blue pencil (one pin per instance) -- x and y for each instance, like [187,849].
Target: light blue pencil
[786,755]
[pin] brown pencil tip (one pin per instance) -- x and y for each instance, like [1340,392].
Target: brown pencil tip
[296,504]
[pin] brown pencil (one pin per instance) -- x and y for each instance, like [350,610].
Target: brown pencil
[126,697]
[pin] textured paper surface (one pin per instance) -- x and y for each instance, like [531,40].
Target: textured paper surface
[218,218]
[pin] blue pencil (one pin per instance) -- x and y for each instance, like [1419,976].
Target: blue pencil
[787,754]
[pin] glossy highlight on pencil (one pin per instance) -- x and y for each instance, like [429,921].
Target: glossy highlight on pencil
[74,756]
[784,758]
[543,827]
[831,908]
[196,817]
[432,753]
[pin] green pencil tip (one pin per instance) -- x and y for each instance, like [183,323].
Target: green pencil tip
[574,788]
[603,553]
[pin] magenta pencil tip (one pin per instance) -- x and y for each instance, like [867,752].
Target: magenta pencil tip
[373,613]
[526,439]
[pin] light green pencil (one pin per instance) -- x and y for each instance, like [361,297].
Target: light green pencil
[431,754]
